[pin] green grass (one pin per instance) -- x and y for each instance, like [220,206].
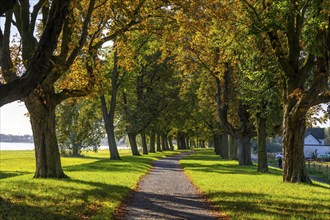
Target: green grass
[242,193]
[95,188]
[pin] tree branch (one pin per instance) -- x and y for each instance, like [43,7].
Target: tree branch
[35,73]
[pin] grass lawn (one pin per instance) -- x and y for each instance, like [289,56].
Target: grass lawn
[242,193]
[95,188]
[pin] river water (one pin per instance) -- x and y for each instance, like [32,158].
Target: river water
[30,146]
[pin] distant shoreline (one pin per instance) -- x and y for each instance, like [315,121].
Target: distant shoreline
[9,138]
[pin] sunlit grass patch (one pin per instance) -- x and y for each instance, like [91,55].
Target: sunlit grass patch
[95,188]
[242,193]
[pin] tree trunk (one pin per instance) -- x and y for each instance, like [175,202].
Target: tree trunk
[74,144]
[167,147]
[231,147]
[235,148]
[152,143]
[187,143]
[42,116]
[164,140]
[181,141]
[132,141]
[108,116]
[224,146]
[244,147]
[216,144]
[202,143]
[144,143]
[170,142]
[75,150]
[109,128]
[159,148]
[262,153]
[294,169]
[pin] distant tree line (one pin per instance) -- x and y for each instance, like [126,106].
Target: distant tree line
[16,138]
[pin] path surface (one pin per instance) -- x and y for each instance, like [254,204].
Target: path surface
[167,193]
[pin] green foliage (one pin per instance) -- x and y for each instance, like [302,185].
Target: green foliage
[150,87]
[79,125]
[242,193]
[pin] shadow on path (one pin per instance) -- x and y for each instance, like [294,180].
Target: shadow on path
[166,193]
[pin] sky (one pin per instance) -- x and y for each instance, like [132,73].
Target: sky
[13,119]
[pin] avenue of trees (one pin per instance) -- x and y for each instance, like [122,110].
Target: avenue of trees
[201,72]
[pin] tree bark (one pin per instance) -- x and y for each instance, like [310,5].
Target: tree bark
[144,143]
[38,68]
[42,116]
[231,147]
[202,143]
[159,148]
[132,141]
[294,169]
[152,143]
[109,115]
[110,129]
[262,152]
[216,143]
[181,141]
[75,150]
[167,147]
[244,147]
[224,146]
[164,140]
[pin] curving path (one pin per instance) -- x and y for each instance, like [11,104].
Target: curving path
[166,193]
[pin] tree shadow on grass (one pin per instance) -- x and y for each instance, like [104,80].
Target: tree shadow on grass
[245,205]
[79,202]
[8,174]
[11,210]
[112,165]
[107,165]
[229,169]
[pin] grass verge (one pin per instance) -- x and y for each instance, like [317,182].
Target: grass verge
[242,193]
[95,188]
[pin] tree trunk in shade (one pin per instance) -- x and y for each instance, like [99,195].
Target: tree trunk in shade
[261,138]
[152,142]
[144,143]
[132,141]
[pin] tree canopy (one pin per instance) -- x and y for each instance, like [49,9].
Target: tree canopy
[198,70]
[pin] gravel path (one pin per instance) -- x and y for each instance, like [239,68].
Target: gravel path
[167,193]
